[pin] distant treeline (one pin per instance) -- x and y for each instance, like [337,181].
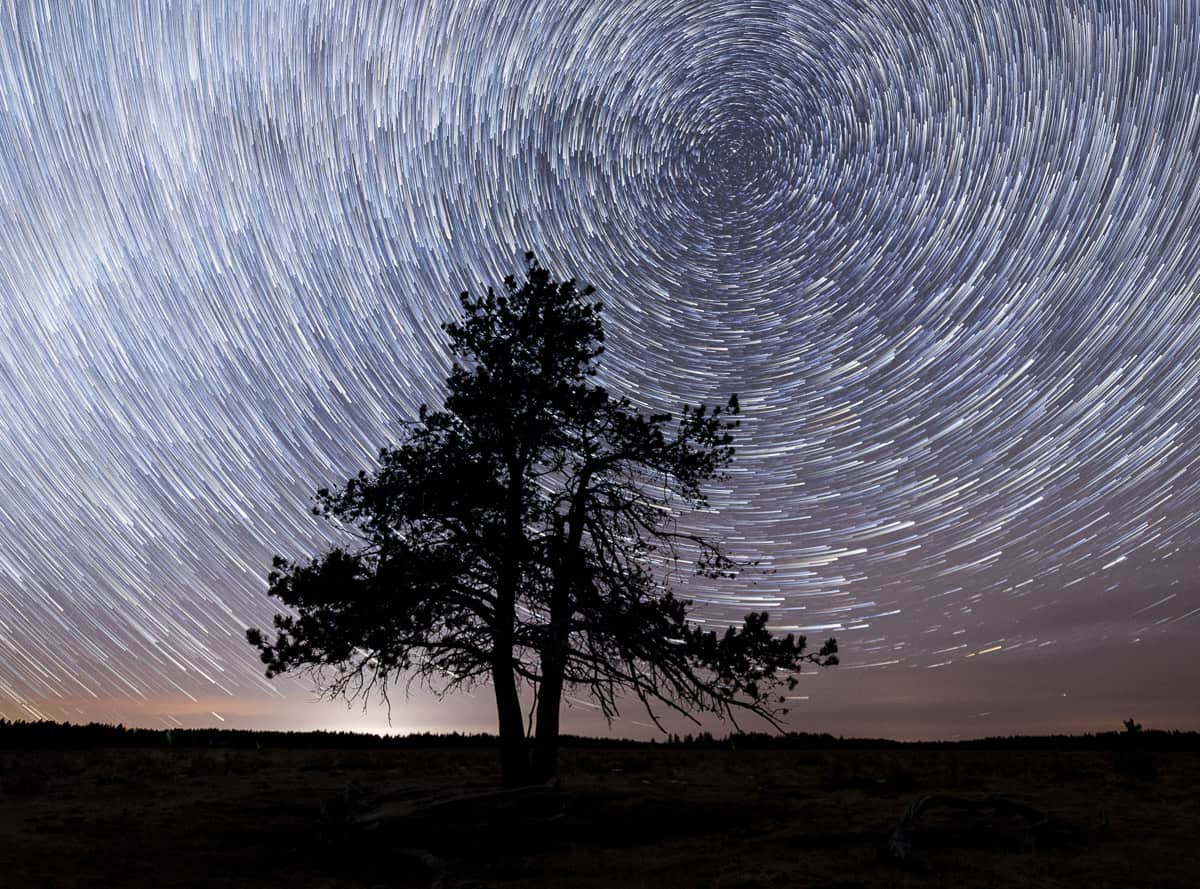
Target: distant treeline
[1143,739]
[70,736]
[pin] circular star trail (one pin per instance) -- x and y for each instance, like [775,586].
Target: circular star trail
[944,251]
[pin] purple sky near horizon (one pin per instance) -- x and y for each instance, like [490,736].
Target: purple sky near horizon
[942,249]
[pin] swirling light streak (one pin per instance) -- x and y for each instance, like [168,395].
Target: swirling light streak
[943,249]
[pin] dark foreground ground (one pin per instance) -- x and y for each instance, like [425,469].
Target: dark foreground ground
[659,818]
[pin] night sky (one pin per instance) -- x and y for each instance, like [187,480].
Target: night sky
[945,251]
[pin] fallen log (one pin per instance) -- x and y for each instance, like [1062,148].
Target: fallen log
[441,802]
[435,867]
[900,843]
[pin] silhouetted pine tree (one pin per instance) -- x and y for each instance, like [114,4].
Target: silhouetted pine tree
[511,538]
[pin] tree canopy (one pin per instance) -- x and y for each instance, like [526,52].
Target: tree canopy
[520,537]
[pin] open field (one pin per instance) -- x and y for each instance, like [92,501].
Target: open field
[660,817]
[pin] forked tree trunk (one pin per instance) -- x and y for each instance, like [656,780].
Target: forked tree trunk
[514,756]
[545,743]
[554,664]
[568,572]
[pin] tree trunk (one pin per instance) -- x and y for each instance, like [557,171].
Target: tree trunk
[514,757]
[514,754]
[554,664]
[568,572]
[545,744]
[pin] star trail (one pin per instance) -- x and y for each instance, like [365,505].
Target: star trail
[944,251]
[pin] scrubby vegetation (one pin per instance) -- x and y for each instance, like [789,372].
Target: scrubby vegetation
[116,807]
